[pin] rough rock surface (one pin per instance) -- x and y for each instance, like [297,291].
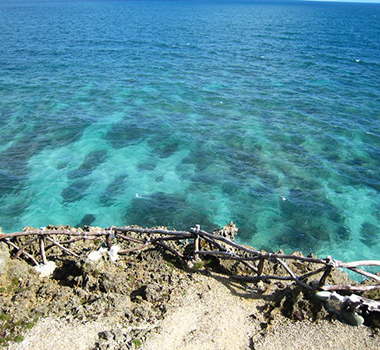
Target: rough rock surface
[4,258]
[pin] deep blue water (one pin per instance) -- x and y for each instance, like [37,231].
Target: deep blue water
[177,113]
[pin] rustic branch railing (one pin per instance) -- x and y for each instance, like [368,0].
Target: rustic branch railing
[220,247]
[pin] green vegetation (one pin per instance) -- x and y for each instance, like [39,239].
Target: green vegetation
[137,342]
[201,264]
[171,266]
[4,317]
[11,330]
[14,286]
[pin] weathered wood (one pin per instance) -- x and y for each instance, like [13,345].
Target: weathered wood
[226,255]
[326,274]
[256,252]
[127,238]
[130,250]
[72,240]
[350,288]
[144,245]
[215,244]
[15,234]
[108,240]
[211,252]
[365,273]
[286,267]
[27,244]
[196,248]
[219,244]
[260,267]
[263,278]
[170,249]
[246,263]
[152,231]
[357,263]
[311,273]
[62,247]
[42,250]
[226,241]
[82,234]
[156,241]
[291,273]
[23,253]
[170,238]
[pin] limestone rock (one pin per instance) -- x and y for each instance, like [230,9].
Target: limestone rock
[4,258]
[229,231]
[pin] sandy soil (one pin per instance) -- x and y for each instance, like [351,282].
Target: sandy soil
[212,315]
[322,335]
[213,312]
[53,333]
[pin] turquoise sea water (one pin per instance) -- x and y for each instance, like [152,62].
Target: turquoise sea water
[182,112]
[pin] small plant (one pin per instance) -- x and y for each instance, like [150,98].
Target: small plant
[170,264]
[30,325]
[18,338]
[137,342]
[14,286]
[4,317]
[11,330]
[199,264]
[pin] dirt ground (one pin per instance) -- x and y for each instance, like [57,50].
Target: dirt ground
[212,314]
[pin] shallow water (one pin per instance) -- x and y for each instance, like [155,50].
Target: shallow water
[178,113]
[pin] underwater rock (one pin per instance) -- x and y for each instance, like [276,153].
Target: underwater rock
[302,212]
[167,147]
[148,166]
[369,234]
[115,188]
[163,209]
[14,163]
[125,133]
[87,220]
[91,161]
[76,191]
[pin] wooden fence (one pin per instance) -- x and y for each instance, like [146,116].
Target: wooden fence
[217,245]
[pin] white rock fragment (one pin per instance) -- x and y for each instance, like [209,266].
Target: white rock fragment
[46,270]
[323,295]
[112,253]
[96,254]
[335,300]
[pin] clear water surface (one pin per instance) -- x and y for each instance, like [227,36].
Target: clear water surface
[182,112]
